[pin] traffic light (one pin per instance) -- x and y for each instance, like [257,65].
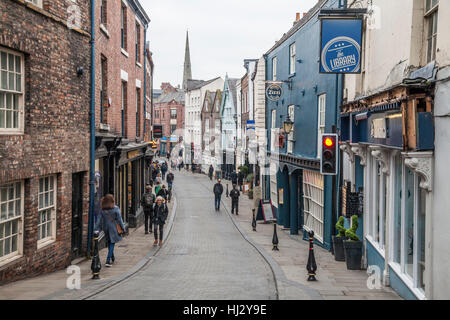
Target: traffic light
[329,156]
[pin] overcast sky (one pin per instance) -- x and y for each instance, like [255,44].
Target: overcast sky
[221,34]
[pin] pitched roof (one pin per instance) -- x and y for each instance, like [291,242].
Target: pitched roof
[299,24]
[168,97]
[197,84]
[232,83]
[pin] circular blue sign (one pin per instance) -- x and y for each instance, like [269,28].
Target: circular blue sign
[341,55]
[274,92]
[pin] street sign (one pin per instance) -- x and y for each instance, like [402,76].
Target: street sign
[340,45]
[274,92]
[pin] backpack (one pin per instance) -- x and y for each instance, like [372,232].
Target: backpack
[148,200]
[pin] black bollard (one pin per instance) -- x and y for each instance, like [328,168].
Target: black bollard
[228,194]
[254,221]
[275,238]
[96,265]
[311,265]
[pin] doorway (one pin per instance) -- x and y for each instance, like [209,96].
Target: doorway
[77,214]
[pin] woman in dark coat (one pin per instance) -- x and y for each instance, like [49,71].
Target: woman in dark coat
[160,213]
[107,220]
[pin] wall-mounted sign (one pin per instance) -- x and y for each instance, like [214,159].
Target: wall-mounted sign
[133,154]
[157,131]
[341,45]
[274,92]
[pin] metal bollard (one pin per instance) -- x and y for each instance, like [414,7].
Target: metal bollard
[254,220]
[311,266]
[275,238]
[228,194]
[96,265]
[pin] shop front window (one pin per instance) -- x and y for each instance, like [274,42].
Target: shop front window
[397,228]
[409,223]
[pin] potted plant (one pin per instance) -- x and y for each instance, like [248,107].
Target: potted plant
[353,246]
[338,241]
[250,194]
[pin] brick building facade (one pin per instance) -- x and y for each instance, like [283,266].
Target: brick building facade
[169,112]
[121,59]
[44,136]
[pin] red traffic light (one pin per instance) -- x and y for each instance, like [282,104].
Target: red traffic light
[328,142]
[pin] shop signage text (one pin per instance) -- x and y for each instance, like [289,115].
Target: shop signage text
[341,46]
[274,92]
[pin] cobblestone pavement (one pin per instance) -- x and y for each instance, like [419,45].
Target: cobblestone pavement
[132,253]
[335,282]
[204,258]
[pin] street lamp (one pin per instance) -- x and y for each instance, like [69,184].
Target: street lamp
[288,125]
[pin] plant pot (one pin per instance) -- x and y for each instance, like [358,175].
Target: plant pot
[338,246]
[353,254]
[250,195]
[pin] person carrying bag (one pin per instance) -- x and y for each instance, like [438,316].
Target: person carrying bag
[110,222]
[160,214]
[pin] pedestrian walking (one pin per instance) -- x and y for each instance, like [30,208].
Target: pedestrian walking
[148,200]
[218,191]
[211,172]
[157,187]
[234,195]
[160,213]
[158,178]
[234,177]
[170,179]
[164,168]
[163,192]
[110,222]
[240,180]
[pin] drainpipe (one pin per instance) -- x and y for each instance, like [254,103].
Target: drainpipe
[145,79]
[92,129]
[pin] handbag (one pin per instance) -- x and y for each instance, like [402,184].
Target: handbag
[118,227]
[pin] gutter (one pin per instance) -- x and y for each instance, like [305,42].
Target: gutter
[92,134]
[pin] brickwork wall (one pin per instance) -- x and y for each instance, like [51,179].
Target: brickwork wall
[56,136]
[108,44]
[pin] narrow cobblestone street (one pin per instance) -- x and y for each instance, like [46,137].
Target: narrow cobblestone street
[205,257]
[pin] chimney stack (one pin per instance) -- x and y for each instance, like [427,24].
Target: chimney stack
[297,18]
[304,14]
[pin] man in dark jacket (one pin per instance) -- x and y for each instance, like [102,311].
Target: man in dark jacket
[147,201]
[210,172]
[170,178]
[218,190]
[160,213]
[234,177]
[234,195]
[164,168]
[240,180]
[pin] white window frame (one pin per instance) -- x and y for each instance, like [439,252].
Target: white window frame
[313,203]
[291,140]
[321,115]
[43,242]
[292,53]
[274,68]
[20,95]
[37,3]
[377,222]
[400,268]
[431,17]
[19,218]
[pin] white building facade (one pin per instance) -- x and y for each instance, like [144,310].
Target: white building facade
[395,134]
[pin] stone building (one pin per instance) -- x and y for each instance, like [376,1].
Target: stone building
[44,136]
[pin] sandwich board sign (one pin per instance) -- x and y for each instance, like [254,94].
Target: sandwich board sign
[265,212]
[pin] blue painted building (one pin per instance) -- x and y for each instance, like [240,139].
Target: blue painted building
[302,198]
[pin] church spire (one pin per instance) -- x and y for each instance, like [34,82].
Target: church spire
[187,63]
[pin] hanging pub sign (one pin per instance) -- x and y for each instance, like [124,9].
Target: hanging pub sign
[274,92]
[341,40]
